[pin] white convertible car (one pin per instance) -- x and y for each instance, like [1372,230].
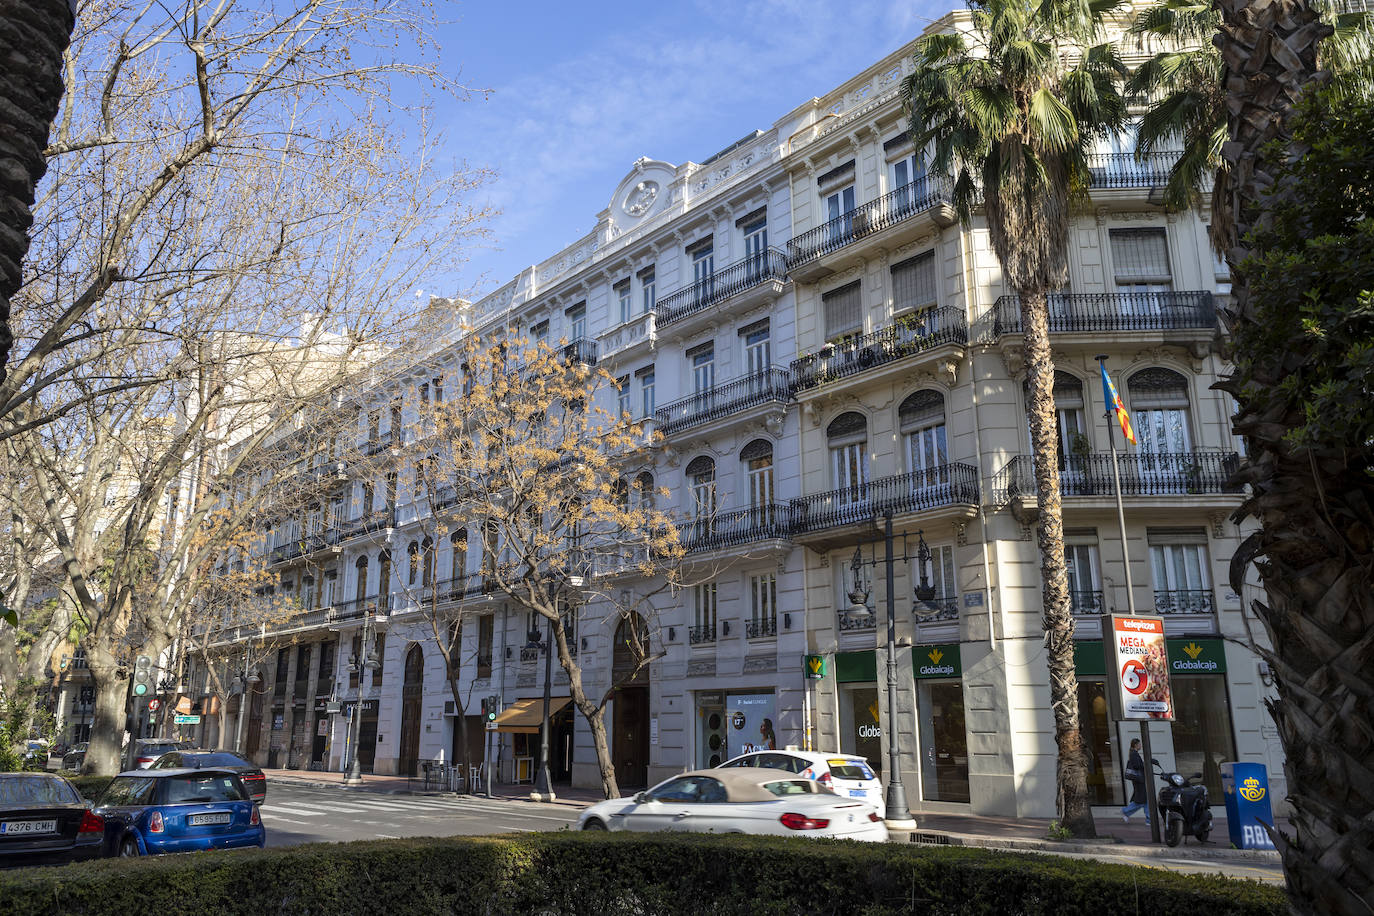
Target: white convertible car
[744,800]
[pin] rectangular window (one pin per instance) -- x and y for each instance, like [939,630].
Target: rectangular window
[1085,573]
[757,348]
[760,473]
[577,322]
[327,589]
[485,629]
[840,203]
[646,390]
[1140,260]
[843,311]
[622,396]
[704,608]
[646,286]
[703,360]
[763,596]
[1178,570]
[622,295]
[540,332]
[379,657]
[913,284]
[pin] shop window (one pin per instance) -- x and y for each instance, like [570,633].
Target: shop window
[1104,778]
[944,742]
[1202,728]
[861,732]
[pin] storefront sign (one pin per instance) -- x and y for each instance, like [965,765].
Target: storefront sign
[813,667]
[1138,668]
[653,729]
[937,661]
[1197,656]
[322,728]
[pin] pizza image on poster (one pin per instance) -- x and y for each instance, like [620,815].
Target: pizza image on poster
[1141,667]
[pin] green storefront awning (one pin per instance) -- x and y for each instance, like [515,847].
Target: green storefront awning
[1187,655]
[856,666]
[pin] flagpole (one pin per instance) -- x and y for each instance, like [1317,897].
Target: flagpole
[1152,806]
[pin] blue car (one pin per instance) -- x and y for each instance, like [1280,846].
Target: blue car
[149,812]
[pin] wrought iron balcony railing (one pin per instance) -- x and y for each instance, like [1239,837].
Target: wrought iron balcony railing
[358,608]
[1166,311]
[771,386]
[1184,601]
[874,216]
[739,526]
[938,609]
[380,443]
[868,623]
[924,331]
[1086,602]
[1142,474]
[721,285]
[367,523]
[701,634]
[529,653]
[1127,170]
[580,350]
[309,544]
[758,629]
[945,485]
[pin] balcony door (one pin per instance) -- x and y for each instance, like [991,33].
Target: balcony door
[755,248]
[847,436]
[703,269]
[1085,577]
[1159,413]
[1178,571]
[839,210]
[922,420]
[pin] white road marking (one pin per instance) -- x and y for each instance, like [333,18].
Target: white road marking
[290,809]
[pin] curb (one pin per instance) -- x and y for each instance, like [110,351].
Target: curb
[321,784]
[1090,847]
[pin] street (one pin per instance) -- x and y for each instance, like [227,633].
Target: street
[301,814]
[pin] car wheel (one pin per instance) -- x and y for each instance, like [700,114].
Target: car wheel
[129,848]
[593,824]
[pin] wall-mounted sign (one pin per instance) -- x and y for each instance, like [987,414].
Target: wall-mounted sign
[813,667]
[1197,656]
[1138,667]
[937,661]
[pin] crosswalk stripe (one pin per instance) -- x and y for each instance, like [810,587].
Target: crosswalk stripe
[291,809]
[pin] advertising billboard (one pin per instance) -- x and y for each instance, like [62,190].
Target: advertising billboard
[752,723]
[1138,665]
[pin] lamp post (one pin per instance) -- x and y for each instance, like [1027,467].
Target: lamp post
[361,662]
[898,814]
[543,790]
[246,681]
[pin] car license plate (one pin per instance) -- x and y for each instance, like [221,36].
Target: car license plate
[201,820]
[859,793]
[17,828]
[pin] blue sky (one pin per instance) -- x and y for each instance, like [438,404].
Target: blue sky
[579,91]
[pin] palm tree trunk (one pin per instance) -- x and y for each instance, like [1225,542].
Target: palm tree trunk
[1072,779]
[1312,507]
[34,35]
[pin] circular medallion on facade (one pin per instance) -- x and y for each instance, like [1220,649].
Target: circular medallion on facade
[640,198]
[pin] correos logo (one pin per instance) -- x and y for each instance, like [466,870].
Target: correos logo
[1251,790]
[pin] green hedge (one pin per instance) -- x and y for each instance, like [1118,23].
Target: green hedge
[576,873]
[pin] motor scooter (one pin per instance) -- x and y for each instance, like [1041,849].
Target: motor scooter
[1184,805]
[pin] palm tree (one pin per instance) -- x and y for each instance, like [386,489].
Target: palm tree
[1184,81]
[35,35]
[1313,549]
[1009,109]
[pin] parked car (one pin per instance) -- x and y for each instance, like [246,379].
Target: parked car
[74,757]
[44,821]
[148,812]
[739,800]
[146,750]
[36,754]
[845,774]
[253,779]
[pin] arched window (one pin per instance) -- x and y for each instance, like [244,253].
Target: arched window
[621,494]
[644,484]
[921,418]
[412,562]
[847,436]
[384,574]
[701,477]
[458,542]
[1074,446]
[427,562]
[758,470]
[360,588]
[308,593]
[1159,410]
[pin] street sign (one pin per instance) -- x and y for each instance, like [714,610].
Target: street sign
[154,704]
[186,720]
[1138,666]
[491,726]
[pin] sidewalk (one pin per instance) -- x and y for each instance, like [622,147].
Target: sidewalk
[1029,834]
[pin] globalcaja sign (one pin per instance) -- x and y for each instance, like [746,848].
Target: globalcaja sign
[1197,656]
[937,661]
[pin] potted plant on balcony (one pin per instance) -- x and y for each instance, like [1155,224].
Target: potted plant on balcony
[1077,476]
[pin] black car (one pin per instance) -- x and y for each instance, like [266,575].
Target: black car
[253,779]
[44,821]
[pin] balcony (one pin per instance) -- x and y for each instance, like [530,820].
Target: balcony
[760,629]
[1142,474]
[367,523]
[866,354]
[736,528]
[766,272]
[868,623]
[307,546]
[940,609]
[1184,601]
[771,386]
[1168,313]
[358,608]
[701,634]
[948,485]
[379,443]
[642,329]
[1087,603]
[1117,171]
[580,351]
[806,252]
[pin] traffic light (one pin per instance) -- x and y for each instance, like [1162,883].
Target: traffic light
[143,675]
[490,707]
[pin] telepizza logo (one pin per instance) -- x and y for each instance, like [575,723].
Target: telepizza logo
[1251,790]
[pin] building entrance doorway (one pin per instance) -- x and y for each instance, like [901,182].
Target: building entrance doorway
[630,741]
[561,745]
[412,692]
[944,741]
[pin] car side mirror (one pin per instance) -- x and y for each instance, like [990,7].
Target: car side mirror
[641,797]
[1197,776]
[1154,761]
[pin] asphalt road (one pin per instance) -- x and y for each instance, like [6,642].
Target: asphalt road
[300,814]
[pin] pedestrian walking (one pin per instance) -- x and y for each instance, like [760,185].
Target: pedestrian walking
[1135,774]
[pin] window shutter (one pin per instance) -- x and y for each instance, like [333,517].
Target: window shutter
[1140,254]
[913,282]
[843,314]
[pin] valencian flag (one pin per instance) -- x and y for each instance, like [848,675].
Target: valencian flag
[1115,406]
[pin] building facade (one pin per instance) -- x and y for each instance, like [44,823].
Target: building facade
[823,348]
